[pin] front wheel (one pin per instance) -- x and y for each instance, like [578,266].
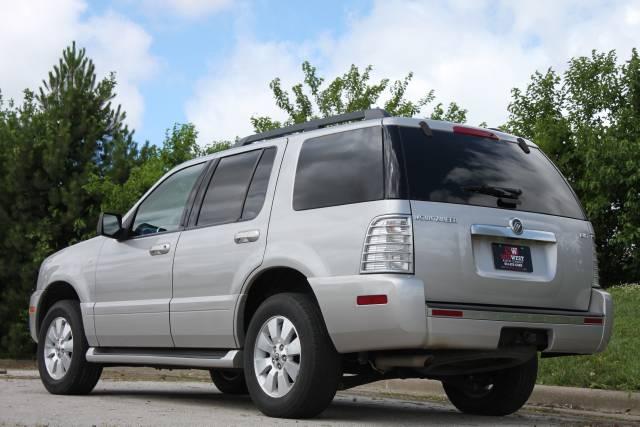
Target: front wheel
[61,351]
[496,393]
[291,366]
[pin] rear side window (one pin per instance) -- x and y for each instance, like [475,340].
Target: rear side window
[452,168]
[237,188]
[340,169]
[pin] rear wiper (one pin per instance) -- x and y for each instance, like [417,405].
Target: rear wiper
[493,190]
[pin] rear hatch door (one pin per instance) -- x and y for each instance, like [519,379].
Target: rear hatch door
[495,225]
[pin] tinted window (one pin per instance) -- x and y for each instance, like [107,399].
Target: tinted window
[227,189]
[449,168]
[258,187]
[340,168]
[162,209]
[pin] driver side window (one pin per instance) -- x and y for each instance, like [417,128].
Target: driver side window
[162,210]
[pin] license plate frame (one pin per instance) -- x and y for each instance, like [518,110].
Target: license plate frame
[508,257]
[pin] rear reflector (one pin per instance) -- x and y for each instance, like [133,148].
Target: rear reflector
[371,299]
[593,320]
[446,313]
[463,130]
[32,310]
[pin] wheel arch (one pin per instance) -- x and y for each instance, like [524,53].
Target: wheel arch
[54,292]
[261,286]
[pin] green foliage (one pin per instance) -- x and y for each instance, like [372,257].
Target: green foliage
[588,121]
[618,367]
[50,147]
[352,91]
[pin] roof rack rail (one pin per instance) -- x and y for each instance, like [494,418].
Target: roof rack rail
[374,113]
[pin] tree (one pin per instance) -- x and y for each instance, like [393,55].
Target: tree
[349,92]
[59,137]
[587,120]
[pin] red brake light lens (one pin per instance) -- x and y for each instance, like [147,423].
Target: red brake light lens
[463,130]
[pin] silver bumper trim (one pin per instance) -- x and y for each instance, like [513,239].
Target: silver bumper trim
[516,317]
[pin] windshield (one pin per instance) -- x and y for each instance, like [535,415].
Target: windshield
[462,169]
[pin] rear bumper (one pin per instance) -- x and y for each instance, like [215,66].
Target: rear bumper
[567,332]
[405,322]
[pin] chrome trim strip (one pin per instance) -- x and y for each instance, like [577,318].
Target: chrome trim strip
[502,316]
[498,231]
[233,359]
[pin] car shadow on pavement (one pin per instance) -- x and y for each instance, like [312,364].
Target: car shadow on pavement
[344,408]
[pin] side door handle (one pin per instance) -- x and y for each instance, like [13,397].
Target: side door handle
[246,236]
[160,249]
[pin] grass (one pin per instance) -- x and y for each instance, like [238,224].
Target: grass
[618,367]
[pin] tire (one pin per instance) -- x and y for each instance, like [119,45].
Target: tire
[307,381]
[68,371]
[509,390]
[229,382]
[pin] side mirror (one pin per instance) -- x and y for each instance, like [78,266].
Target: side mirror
[110,225]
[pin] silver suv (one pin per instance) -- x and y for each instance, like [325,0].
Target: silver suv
[331,254]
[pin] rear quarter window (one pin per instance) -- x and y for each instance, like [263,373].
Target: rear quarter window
[340,169]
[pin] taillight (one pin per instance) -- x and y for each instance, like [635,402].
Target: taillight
[388,246]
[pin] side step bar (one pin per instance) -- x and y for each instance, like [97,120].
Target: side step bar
[186,358]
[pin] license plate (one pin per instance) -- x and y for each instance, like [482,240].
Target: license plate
[512,257]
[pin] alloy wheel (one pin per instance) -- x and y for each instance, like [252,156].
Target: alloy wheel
[277,356]
[58,348]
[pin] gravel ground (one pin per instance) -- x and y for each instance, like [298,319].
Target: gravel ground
[24,401]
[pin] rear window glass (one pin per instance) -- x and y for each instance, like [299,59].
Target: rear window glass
[461,169]
[339,169]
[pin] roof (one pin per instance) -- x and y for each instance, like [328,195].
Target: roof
[363,115]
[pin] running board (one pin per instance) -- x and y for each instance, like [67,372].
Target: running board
[187,358]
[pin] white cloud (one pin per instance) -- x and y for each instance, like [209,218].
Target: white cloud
[237,89]
[472,52]
[120,45]
[34,33]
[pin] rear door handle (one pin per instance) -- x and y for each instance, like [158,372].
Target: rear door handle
[160,249]
[246,236]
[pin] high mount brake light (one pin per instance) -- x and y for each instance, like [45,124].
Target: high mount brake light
[463,130]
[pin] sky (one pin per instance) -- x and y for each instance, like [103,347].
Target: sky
[210,62]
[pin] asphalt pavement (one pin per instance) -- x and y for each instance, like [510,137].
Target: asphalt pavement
[24,401]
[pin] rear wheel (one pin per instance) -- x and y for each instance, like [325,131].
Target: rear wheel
[62,346]
[292,368]
[497,393]
[229,382]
